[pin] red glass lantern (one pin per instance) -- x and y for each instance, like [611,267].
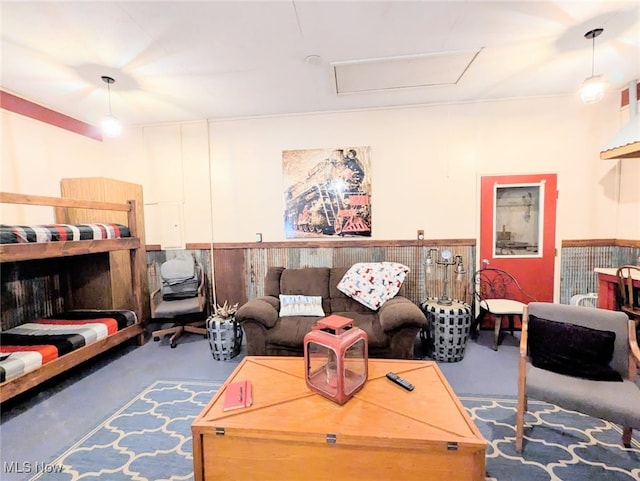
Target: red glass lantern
[335,355]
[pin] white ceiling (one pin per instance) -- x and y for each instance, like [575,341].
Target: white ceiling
[181,61]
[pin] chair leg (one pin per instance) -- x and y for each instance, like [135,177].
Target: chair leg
[157,334]
[475,326]
[176,335]
[626,437]
[522,407]
[496,332]
[177,330]
[196,327]
[638,339]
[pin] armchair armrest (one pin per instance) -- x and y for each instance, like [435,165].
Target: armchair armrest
[154,299]
[524,334]
[201,297]
[634,353]
[524,354]
[263,310]
[400,312]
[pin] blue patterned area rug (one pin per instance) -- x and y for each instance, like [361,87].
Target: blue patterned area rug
[149,439]
[559,445]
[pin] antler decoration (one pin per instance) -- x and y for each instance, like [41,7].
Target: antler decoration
[226,311]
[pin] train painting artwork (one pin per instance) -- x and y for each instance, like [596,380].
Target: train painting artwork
[327,192]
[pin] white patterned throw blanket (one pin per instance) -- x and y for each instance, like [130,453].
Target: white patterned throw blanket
[373,283]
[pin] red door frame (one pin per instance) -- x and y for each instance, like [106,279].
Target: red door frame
[534,273]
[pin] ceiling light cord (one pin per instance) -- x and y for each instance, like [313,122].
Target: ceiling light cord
[593,58]
[111,127]
[109,95]
[593,87]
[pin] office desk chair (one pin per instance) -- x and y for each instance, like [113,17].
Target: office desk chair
[180,298]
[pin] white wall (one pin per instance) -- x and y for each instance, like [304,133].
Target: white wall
[629,200]
[426,164]
[628,195]
[35,156]
[171,162]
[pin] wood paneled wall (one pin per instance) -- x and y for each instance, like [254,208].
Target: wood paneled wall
[36,289]
[31,289]
[579,258]
[239,268]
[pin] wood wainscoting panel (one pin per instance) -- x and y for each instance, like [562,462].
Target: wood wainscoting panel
[230,269]
[32,290]
[239,269]
[579,258]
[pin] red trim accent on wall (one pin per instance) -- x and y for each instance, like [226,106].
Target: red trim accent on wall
[624,95]
[34,111]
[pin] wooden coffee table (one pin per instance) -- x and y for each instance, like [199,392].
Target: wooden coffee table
[383,433]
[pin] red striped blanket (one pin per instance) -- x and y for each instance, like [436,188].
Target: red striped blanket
[27,347]
[16,234]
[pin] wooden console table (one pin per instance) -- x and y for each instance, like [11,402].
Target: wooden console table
[608,288]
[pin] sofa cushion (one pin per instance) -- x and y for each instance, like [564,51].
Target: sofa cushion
[368,322]
[373,283]
[290,331]
[299,305]
[272,281]
[308,281]
[572,349]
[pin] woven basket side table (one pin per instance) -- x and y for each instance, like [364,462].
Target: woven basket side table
[225,338]
[448,328]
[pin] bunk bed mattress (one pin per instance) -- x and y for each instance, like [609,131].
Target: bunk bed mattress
[28,346]
[18,234]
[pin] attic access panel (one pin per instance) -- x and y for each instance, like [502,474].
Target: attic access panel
[422,70]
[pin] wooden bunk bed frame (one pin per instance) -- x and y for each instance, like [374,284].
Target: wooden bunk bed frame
[47,250]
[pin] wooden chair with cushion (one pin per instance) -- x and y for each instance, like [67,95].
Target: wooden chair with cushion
[180,301]
[498,293]
[582,360]
[629,295]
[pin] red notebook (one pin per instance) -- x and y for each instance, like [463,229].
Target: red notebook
[238,395]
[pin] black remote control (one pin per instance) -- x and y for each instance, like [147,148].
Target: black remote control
[392,376]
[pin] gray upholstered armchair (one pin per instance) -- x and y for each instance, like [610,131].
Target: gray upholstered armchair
[583,359]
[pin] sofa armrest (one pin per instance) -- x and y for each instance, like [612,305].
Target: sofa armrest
[263,310]
[400,312]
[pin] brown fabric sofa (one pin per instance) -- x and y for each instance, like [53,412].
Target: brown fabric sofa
[391,330]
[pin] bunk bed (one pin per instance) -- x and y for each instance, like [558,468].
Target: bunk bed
[101,329]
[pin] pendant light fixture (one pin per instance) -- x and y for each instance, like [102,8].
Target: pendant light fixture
[111,126]
[592,89]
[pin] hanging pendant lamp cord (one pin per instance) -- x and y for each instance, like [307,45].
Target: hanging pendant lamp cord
[593,55]
[109,94]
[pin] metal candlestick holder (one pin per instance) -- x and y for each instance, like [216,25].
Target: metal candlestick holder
[446,260]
